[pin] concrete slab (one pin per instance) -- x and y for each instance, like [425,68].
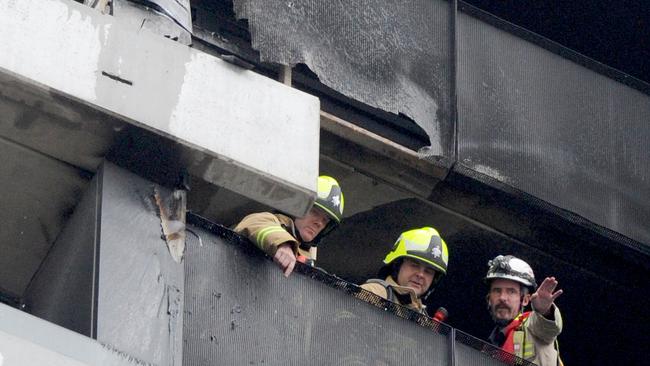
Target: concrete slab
[28,340]
[244,131]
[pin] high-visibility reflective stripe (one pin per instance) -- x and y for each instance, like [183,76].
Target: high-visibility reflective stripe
[529,354]
[266,231]
[518,340]
[529,349]
[328,211]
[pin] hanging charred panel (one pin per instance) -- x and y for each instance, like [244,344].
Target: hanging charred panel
[389,54]
[549,127]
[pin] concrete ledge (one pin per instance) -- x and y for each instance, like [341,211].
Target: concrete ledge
[28,340]
[264,131]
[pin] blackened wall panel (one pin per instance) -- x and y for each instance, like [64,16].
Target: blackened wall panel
[554,129]
[391,54]
[140,289]
[240,310]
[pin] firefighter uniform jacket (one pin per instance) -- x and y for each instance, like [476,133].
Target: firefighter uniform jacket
[268,230]
[532,337]
[391,291]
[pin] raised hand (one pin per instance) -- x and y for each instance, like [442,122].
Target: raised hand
[544,297]
[285,258]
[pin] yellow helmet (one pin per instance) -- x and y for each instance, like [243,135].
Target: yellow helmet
[330,198]
[424,244]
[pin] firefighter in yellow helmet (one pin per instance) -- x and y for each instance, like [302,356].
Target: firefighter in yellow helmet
[531,335]
[286,238]
[412,269]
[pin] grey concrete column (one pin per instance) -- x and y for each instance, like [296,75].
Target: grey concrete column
[110,274]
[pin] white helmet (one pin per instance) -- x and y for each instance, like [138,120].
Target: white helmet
[511,268]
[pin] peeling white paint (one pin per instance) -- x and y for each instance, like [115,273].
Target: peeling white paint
[60,38]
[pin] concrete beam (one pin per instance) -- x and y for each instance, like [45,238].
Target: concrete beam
[28,340]
[378,157]
[242,131]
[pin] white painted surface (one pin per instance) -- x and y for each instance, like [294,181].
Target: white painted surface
[253,123]
[20,352]
[268,131]
[44,55]
[27,340]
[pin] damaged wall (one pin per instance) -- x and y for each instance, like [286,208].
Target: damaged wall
[140,298]
[111,275]
[532,115]
[389,54]
[168,18]
[547,126]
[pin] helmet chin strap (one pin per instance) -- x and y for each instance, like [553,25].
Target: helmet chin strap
[429,292]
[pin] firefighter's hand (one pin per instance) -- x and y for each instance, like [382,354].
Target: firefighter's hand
[285,258]
[543,298]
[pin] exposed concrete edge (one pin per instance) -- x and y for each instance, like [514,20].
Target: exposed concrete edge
[383,158]
[378,144]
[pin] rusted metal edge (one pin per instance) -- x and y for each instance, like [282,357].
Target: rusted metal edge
[381,145]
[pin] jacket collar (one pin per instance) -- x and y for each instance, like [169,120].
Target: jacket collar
[288,224]
[416,303]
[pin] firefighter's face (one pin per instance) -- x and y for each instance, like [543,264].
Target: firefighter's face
[416,275]
[505,300]
[312,223]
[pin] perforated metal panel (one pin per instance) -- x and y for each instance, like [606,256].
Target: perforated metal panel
[240,310]
[472,351]
[547,126]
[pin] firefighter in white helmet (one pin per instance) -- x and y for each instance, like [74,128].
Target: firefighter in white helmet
[412,269]
[531,335]
[288,239]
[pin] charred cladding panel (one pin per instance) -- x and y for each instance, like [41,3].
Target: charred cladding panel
[554,129]
[140,286]
[240,310]
[391,54]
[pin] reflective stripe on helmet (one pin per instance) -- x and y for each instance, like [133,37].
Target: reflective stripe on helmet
[329,212]
[330,198]
[425,245]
